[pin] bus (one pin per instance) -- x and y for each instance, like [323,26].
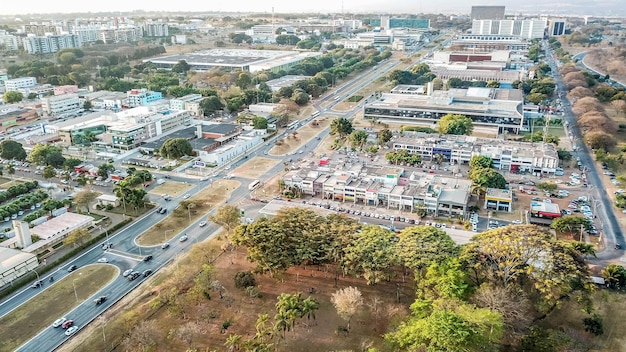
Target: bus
[293,125]
[315,114]
[254,185]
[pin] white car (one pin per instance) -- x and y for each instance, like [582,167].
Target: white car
[71,330]
[59,322]
[127,272]
[186,196]
[103,260]
[516,222]
[202,223]
[183,238]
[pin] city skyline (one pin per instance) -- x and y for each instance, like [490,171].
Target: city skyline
[574,7]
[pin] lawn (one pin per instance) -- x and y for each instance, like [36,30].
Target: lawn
[6,183]
[178,218]
[172,188]
[255,167]
[297,139]
[40,312]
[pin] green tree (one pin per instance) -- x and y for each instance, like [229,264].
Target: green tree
[175,148]
[259,123]
[481,162]
[87,106]
[227,216]
[181,67]
[384,136]
[244,80]
[12,97]
[488,178]
[77,237]
[211,104]
[420,246]
[371,253]
[455,124]
[358,138]
[48,172]
[548,186]
[105,169]
[10,149]
[71,163]
[615,276]
[45,154]
[341,126]
[570,224]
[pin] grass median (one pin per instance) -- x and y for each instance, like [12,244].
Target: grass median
[54,302]
[194,207]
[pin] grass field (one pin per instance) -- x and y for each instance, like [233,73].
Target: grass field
[6,183]
[172,188]
[255,167]
[40,312]
[178,218]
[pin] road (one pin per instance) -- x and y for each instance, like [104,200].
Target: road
[604,208]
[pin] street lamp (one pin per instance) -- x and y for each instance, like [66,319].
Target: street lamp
[165,235]
[107,234]
[36,273]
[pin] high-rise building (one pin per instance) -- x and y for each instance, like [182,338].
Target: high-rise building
[50,43]
[155,29]
[487,13]
[525,29]
[389,23]
[556,28]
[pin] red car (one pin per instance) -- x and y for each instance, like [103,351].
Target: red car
[67,324]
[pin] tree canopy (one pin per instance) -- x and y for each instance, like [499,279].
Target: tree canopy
[175,148]
[10,149]
[455,124]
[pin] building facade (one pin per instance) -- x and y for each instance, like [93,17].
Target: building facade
[526,29]
[189,103]
[60,105]
[487,13]
[142,97]
[16,84]
[50,43]
[156,29]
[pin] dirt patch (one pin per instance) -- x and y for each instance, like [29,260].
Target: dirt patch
[194,208]
[255,167]
[172,188]
[296,139]
[40,312]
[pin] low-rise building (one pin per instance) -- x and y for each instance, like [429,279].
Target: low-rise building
[499,200]
[14,264]
[11,115]
[104,99]
[60,105]
[235,148]
[16,84]
[189,103]
[67,89]
[142,97]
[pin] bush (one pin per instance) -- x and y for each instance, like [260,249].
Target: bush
[244,279]
[594,324]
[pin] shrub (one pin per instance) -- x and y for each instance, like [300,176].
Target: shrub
[244,279]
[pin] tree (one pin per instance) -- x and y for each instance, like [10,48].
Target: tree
[10,149]
[358,138]
[87,105]
[615,276]
[488,178]
[455,124]
[341,126]
[145,334]
[570,224]
[77,237]
[227,216]
[181,67]
[259,123]
[43,154]
[244,279]
[419,246]
[105,169]
[211,104]
[11,169]
[187,332]
[594,324]
[175,148]
[233,343]
[48,172]
[12,97]
[384,136]
[600,140]
[371,253]
[481,162]
[347,302]
[84,198]
[71,163]
[548,186]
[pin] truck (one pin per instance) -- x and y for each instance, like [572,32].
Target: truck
[160,181]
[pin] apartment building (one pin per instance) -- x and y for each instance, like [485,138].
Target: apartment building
[510,156]
[526,29]
[61,105]
[16,84]
[50,43]
[142,97]
[383,186]
[156,29]
[189,103]
[9,41]
[500,109]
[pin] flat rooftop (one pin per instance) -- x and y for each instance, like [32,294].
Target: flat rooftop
[499,193]
[9,258]
[59,224]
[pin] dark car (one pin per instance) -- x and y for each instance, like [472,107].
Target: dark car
[37,284]
[147,258]
[162,210]
[133,276]
[100,300]
[147,272]
[72,268]
[159,209]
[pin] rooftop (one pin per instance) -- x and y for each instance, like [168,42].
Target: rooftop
[59,224]
[545,207]
[499,193]
[9,258]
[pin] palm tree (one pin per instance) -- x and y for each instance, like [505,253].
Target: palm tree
[282,323]
[479,190]
[615,275]
[308,308]
[233,342]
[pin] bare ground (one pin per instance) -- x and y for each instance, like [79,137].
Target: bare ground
[296,139]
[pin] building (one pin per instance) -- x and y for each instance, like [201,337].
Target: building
[104,99]
[156,29]
[67,89]
[487,107]
[236,147]
[203,137]
[499,200]
[235,60]
[544,210]
[50,43]
[526,29]
[189,103]
[16,84]
[60,105]
[142,97]
[108,199]
[510,156]
[11,115]
[390,23]
[14,264]
[556,27]
[487,13]
[40,29]
[10,41]
[57,228]
[285,81]
[490,42]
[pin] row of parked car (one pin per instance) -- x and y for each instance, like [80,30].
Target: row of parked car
[362,213]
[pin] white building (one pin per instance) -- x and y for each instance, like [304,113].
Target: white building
[527,29]
[9,41]
[16,84]
[60,105]
[14,264]
[156,29]
[50,43]
[189,103]
[86,34]
[234,149]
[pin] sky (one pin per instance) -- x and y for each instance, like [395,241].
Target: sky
[580,7]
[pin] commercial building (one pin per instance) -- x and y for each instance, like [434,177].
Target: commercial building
[487,107]
[203,137]
[104,99]
[235,60]
[142,97]
[526,29]
[499,200]
[386,187]
[11,115]
[189,103]
[489,42]
[60,105]
[67,89]
[14,264]
[50,43]
[16,84]
[387,22]
[510,156]
[556,27]
[487,13]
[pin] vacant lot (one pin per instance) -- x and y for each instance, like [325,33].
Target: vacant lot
[255,167]
[178,218]
[297,139]
[40,312]
[172,188]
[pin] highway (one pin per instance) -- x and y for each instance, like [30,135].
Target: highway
[604,208]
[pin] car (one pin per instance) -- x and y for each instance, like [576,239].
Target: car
[59,322]
[186,196]
[100,300]
[147,272]
[516,222]
[165,245]
[163,210]
[147,258]
[106,246]
[133,276]
[67,324]
[103,260]
[37,284]
[127,272]
[202,224]
[72,268]
[204,179]
[183,238]
[159,210]
[71,330]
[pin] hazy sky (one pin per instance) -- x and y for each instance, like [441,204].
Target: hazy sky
[592,7]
